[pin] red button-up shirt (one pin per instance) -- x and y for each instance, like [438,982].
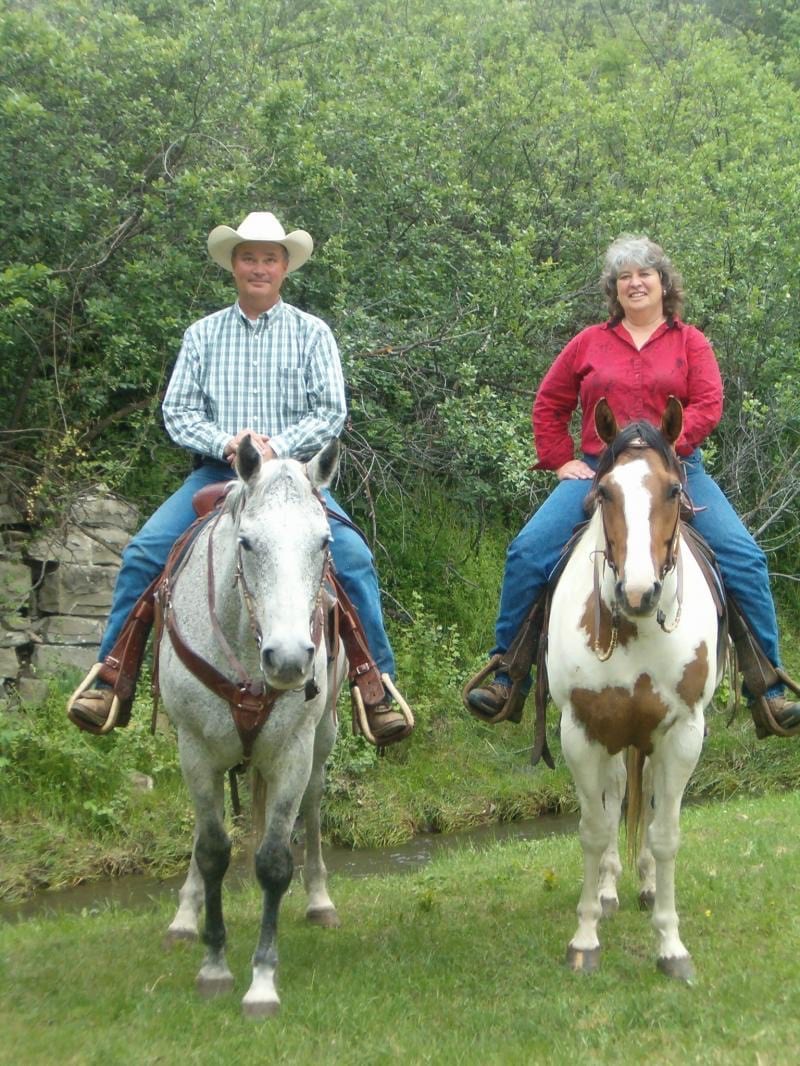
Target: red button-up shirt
[602,360]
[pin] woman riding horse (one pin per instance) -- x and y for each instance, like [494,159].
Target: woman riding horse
[640,357]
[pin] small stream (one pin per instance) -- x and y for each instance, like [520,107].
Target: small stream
[138,891]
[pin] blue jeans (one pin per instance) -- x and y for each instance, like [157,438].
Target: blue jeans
[145,555]
[534,552]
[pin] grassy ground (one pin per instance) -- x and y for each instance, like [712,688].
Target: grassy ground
[460,963]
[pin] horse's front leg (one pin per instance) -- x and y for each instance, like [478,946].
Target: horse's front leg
[274,867]
[588,764]
[320,909]
[674,758]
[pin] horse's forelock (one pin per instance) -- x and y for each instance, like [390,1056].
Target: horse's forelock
[639,435]
[284,479]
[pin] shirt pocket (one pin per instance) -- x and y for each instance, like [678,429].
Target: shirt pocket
[293,391]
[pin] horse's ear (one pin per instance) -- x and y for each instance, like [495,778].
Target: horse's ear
[672,419]
[248,459]
[604,421]
[322,468]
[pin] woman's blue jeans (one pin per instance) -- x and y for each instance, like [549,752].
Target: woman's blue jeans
[534,553]
[145,555]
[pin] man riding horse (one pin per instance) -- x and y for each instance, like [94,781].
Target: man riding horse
[264,369]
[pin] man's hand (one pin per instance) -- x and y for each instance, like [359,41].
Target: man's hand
[258,440]
[575,470]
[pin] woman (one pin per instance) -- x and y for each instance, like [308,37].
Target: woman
[637,359]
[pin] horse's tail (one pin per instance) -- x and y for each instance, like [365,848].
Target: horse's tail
[258,791]
[634,818]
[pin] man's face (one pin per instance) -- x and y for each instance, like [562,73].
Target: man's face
[259,268]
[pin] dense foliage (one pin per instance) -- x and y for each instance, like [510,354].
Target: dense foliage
[462,167]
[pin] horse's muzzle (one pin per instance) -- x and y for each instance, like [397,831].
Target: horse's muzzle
[638,603]
[286,667]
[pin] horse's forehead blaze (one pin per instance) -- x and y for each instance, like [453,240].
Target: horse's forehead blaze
[617,717]
[695,674]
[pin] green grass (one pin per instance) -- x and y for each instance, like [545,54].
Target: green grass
[459,963]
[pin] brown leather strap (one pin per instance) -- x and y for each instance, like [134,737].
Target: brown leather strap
[362,669]
[250,702]
[121,667]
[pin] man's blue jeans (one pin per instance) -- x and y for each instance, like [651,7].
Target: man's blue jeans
[145,555]
[534,553]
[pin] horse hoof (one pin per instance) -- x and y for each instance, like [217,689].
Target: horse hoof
[325,917]
[173,937]
[583,960]
[209,987]
[609,906]
[681,968]
[263,1009]
[647,900]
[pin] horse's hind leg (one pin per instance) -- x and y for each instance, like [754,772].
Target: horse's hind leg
[646,864]
[610,865]
[211,855]
[184,926]
[320,909]
[674,758]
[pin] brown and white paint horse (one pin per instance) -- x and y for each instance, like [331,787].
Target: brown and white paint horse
[632,665]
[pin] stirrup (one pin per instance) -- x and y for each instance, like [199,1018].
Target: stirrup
[113,713]
[513,705]
[361,713]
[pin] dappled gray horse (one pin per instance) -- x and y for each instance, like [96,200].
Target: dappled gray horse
[248,602]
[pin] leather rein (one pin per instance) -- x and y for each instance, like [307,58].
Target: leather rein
[674,561]
[250,701]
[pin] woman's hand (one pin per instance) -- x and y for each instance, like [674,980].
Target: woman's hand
[575,470]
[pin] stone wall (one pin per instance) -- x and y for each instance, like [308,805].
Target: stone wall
[55,588]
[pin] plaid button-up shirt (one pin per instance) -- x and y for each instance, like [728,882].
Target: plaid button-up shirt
[280,376]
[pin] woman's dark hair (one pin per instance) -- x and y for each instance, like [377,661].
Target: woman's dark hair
[628,250]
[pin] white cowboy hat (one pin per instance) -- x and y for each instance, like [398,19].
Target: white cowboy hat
[259,226]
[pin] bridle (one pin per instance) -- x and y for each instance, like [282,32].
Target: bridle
[604,557]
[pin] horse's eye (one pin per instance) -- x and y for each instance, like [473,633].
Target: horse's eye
[673,491]
[245,543]
[603,492]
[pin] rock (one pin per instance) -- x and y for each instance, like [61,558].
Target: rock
[9,663]
[15,585]
[69,629]
[77,589]
[101,509]
[32,691]
[102,547]
[50,659]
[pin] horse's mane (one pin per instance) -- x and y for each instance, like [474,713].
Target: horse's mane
[635,436]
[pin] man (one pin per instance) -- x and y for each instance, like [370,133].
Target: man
[264,368]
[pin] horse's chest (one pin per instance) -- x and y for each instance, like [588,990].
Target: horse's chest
[619,716]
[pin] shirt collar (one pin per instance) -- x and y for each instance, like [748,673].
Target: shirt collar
[614,327]
[264,319]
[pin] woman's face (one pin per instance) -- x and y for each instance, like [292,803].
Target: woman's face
[639,289]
